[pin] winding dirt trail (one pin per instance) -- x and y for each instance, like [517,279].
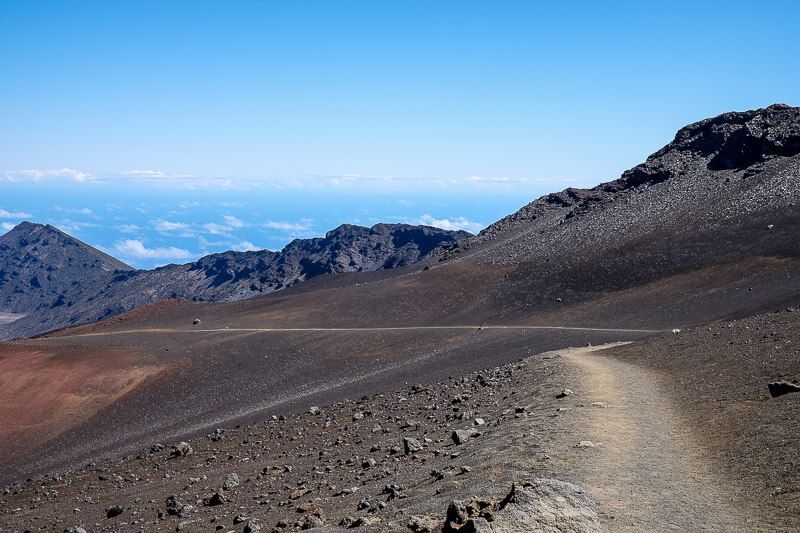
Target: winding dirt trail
[355,329]
[647,473]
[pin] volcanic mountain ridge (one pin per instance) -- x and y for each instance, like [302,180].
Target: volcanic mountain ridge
[55,280]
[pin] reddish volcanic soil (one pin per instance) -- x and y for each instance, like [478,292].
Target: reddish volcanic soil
[43,394]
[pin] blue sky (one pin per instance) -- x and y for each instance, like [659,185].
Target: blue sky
[293,117]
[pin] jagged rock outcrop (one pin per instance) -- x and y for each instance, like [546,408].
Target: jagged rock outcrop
[736,141]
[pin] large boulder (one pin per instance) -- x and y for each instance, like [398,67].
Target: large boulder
[540,506]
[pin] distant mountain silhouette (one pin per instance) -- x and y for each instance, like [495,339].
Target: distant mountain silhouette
[57,280]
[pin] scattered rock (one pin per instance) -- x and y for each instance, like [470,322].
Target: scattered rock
[779,388]
[252,526]
[215,499]
[114,510]
[460,436]
[182,449]
[174,506]
[314,410]
[231,481]
[411,445]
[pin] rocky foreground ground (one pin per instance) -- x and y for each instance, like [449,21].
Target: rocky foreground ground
[629,437]
[390,462]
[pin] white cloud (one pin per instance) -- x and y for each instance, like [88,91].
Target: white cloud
[216,229]
[7,214]
[233,222]
[73,226]
[231,225]
[245,246]
[133,248]
[128,228]
[34,175]
[166,225]
[144,173]
[451,224]
[301,225]
[6,226]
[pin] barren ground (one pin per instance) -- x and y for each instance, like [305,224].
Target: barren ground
[652,466]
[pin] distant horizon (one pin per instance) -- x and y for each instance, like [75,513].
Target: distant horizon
[164,132]
[162,224]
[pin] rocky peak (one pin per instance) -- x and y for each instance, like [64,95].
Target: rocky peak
[731,141]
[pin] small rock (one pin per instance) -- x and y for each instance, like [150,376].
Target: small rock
[779,388]
[564,393]
[114,510]
[75,529]
[182,449]
[215,499]
[411,445]
[252,526]
[173,505]
[586,444]
[314,410]
[231,481]
[460,436]
[196,321]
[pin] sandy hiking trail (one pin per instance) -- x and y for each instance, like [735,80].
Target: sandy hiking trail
[646,472]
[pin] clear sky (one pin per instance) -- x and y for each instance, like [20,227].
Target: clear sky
[451,110]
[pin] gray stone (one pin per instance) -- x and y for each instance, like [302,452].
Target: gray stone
[182,449]
[231,481]
[460,436]
[411,445]
[544,506]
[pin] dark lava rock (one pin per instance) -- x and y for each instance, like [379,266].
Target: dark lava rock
[114,510]
[173,505]
[215,499]
[779,388]
[564,393]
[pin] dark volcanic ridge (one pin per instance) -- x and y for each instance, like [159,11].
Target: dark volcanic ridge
[58,281]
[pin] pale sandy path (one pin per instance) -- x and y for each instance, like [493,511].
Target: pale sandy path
[647,473]
[362,329]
